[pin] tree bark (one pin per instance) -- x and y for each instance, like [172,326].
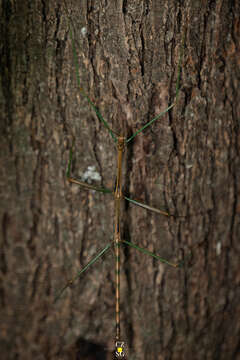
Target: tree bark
[186,163]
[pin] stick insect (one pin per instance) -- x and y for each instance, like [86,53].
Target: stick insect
[121,143]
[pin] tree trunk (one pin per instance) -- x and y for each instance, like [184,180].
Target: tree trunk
[186,163]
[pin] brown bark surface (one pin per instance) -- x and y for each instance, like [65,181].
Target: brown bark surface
[187,163]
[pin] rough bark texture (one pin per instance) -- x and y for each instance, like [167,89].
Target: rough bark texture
[187,163]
